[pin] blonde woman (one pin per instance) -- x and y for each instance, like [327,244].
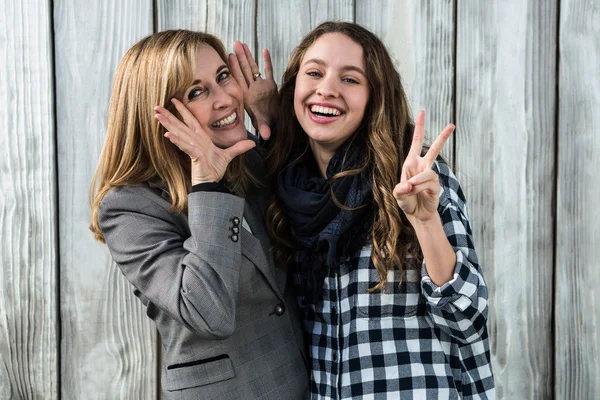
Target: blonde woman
[181,211]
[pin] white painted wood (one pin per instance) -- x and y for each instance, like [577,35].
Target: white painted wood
[330,10]
[420,38]
[577,269]
[280,28]
[181,14]
[28,248]
[505,102]
[108,344]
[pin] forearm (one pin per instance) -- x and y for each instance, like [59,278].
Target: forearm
[438,254]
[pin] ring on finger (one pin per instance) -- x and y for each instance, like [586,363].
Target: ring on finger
[256,75]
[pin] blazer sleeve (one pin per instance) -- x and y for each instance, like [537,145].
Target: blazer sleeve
[192,276]
[460,306]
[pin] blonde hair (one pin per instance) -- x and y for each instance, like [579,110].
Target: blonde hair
[152,72]
[385,135]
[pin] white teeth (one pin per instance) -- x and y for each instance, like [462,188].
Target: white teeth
[225,121]
[325,110]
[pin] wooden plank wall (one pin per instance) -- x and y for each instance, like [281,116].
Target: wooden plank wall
[29,321]
[505,103]
[577,269]
[108,344]
[519,78]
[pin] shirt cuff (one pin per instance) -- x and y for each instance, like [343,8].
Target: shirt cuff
[459,291]
[211,187]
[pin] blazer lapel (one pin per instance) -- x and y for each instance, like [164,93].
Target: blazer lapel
[275,276]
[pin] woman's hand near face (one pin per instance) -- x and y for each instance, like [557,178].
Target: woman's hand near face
[419,187]
[209,162]
[260,94]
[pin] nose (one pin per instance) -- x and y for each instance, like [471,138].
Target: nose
[328,87]
[222,99]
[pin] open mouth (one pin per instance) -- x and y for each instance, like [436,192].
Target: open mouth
[325,112]
[225,122]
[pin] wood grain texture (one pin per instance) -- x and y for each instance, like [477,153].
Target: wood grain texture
[420,38]
[505,94]
[281,28]
[330,10]
[577,299]
[28,280]
[108,344]
[181,14]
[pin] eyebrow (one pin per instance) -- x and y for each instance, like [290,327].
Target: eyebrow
[219,69]
[344,68]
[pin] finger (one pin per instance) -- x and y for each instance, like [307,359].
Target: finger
[251,60]
[240,53]
[432,187]
[268,65]
[168,120]
[188,117]
[184,145]
[236,71]
[264,130]
[438,144]
[401,190]
[239,148]
[418,135]
[425,176]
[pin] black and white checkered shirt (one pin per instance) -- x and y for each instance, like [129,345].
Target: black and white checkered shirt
[413,341]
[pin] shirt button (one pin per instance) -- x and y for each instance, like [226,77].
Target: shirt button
[333,309]
[234,238]
[335,356]
[279,310]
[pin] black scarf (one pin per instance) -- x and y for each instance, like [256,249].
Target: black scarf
[325,233]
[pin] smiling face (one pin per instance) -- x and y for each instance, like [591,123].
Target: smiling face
[215,99]
[331,92]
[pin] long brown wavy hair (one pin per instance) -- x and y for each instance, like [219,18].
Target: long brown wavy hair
[385,133]
[152,72]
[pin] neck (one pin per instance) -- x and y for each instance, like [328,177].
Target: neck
[322,157]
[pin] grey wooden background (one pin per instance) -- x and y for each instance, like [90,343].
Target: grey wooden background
[521,79]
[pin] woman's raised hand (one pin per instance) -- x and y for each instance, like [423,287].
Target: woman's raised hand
[209,162]
[260,94]
[419,187]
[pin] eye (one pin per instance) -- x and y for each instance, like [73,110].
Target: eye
[194,93]
[350,80]
[313,73]
[223,75]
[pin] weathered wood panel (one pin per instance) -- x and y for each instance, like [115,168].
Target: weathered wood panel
[420,37]
[28,284]
[181,14]
[506,97]
[281,28]
[577,289]
[108,344]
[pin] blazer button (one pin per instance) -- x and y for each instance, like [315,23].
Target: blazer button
[236,221]
[279,310]
[235,229]
[234,238]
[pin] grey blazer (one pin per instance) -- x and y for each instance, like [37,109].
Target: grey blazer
[228,324]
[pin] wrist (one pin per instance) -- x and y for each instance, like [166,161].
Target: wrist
[428,224]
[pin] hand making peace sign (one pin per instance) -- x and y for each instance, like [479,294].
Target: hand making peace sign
[419,187]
